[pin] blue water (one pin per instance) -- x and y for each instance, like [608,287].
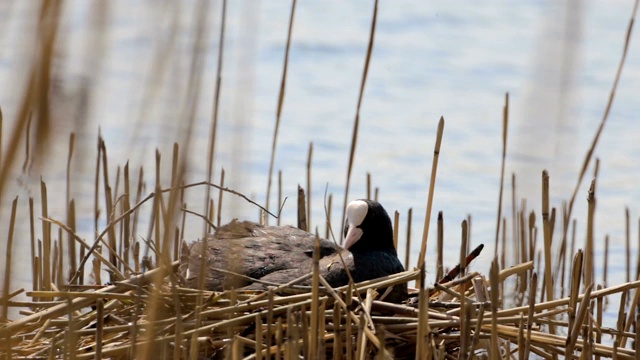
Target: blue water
[557,60]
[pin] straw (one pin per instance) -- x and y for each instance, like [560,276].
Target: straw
[432,184]
[309,157]
[7,267]
[505,127]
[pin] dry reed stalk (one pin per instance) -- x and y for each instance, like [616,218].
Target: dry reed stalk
[36,100]
[99,327]
[171,214]
[139,190]
[154,236]
[293,335]
[337,332]
[637,338]
[532,298]
[440,248]
[517,219]
[219,215]
[423,303]
[328,208]
[315,283]
[463,248]
[280,204]
[37,279]
[575,286]
[605,268]
[505,127]
[504,245]
[309,157]
[270,304]
[302,212]
[494,352]
[79,294]
[46,239]
[72,226]
[589,246]
[366,307]
[193,349]
[258,337]
[348,328]
[116,187]
[605,115]
[432,184]
[57,260]
[407,254]
[356,122]
[368,186]
[465,329]
[215,111]
[27,148]
[209,219]
[632,314]
[638,254]
[548,234]
[361,340]
[517,269]
[559,267]
[532,234]
[478,329]
[599,312]
[279,338]
[71,244]
[32,238]
[126,227]
[396,228]
[627,233]
[579,322]
[110,213]
[283,84]
[7,266]
[1,121]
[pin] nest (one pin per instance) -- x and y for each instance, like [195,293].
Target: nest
[152,316]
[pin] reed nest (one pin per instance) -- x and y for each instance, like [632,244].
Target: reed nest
[152,314]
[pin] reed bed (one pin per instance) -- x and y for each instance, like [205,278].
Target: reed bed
[455,318]
[144,311]
[544,302]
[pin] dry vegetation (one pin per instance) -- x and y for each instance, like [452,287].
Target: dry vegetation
[142,311]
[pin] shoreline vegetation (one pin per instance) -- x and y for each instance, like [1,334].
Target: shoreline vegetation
[544,301]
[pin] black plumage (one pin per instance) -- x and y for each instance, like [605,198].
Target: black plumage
[280,254]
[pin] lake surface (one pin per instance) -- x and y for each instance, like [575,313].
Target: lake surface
[557,61]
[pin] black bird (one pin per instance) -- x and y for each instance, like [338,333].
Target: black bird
[280,254]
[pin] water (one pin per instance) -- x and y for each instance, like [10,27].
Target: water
[557,60]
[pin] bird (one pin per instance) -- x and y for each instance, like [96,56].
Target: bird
[243,250]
